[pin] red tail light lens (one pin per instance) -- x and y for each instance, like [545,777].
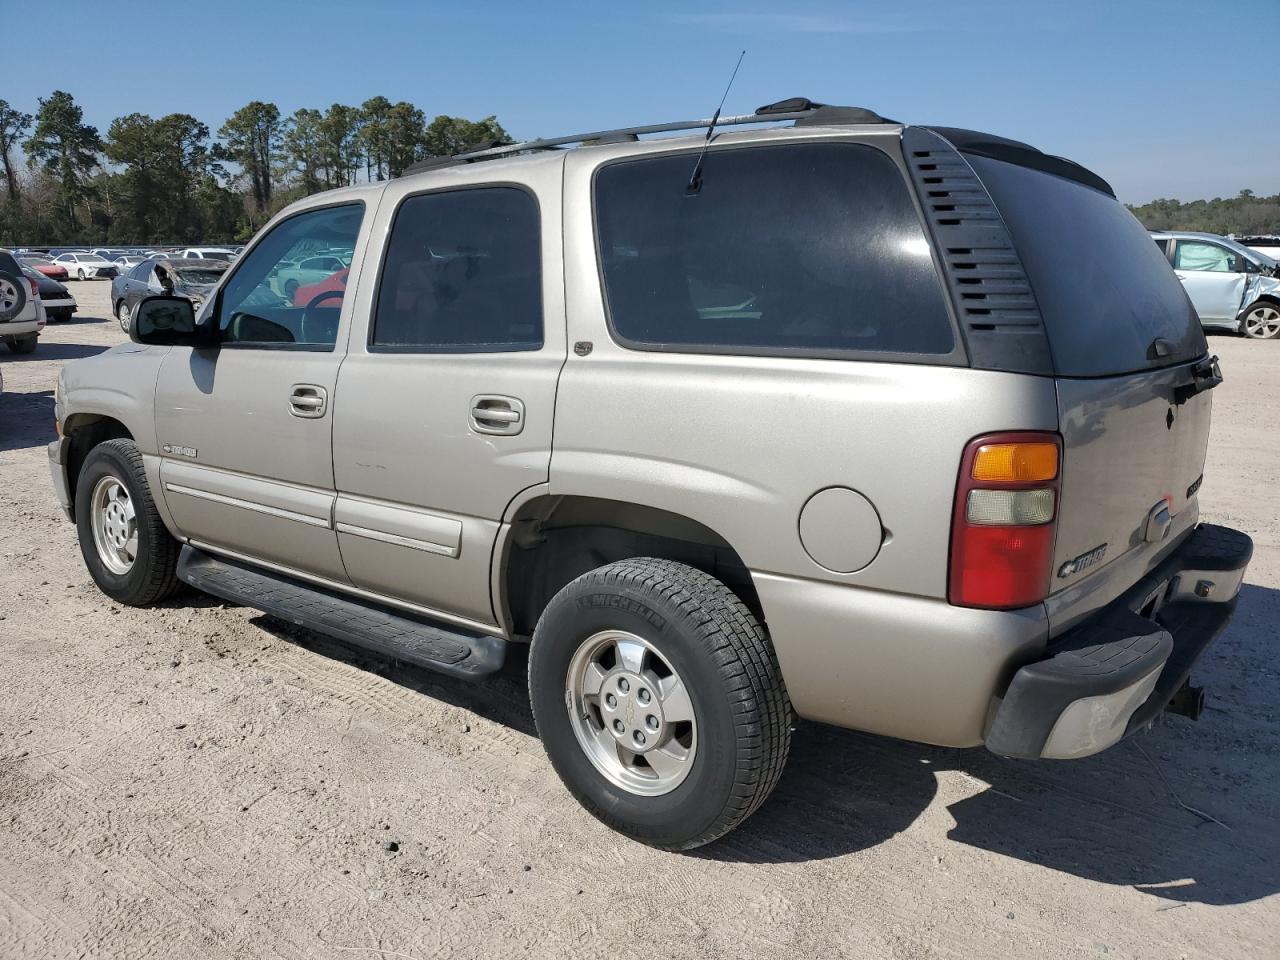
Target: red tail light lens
[35,288]
[1004,525]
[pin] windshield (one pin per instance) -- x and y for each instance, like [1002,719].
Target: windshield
[1250,253]
[91,258]
[199,278]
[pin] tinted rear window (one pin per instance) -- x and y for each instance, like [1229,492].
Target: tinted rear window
[1106,292]
[808,249]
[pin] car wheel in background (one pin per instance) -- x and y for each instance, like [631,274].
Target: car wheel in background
[124,315]
[1261,321]
[659,701]
[129,552]
[80,274]
[13,297]
[290,288]
[24,343]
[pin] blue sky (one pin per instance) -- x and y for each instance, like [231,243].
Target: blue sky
[1165,98]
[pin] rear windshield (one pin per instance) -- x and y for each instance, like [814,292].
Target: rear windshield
[1106,292]
[806,249]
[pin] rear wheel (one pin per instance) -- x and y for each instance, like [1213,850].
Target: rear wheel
[1261,321]
[123,314]
[13,296]
[129,552]
[24,343]
[659,701]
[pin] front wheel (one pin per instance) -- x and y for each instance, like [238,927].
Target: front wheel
[659,701]
[79,274]
[129,552]
[1261,321]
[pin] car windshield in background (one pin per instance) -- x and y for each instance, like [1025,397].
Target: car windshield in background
[1106,292]
[203,277]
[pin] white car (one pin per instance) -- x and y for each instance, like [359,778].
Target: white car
[22,315]
[87,266]
[208,253]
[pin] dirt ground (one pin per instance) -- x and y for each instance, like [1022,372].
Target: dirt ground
[203,781]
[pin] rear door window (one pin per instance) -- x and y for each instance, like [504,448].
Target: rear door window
[463,274]
[1110,300]
[807,249]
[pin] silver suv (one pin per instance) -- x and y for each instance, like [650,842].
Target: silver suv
[792,421]
[1231,286]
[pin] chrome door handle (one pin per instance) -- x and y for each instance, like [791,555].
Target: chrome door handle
[496,415]
[308,401]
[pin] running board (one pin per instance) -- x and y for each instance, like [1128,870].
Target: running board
[445,649]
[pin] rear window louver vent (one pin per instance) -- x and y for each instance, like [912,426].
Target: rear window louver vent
[998,314]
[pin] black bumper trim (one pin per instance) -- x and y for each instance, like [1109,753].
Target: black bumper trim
[1117,648]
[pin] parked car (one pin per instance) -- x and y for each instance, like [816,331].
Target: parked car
[127,261]
[1232,286]
[208,253]
[818,449]
[87,266]
[292,274]
[46,266]
[190,279]
[330,288]
[21,315]
[56,299]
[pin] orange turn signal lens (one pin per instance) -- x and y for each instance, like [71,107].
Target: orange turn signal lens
[1015,462]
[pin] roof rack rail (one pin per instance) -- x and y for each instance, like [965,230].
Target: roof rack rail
[803,111]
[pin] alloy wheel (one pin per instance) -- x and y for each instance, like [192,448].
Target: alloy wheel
[631,713]
[115,525]
[1262,322]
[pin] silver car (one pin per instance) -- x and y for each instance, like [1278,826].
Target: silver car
[788,421]
[1232,287]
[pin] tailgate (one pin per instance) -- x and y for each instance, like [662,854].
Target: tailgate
[1129,448]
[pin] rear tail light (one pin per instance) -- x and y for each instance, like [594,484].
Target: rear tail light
[1004,521]
[35,288]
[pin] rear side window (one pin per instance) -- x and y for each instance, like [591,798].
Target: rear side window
[462,274]
[1109,298]
[806,249]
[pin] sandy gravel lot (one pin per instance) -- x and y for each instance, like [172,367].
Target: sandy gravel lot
[202,781]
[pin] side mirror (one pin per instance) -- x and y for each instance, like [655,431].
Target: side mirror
[170,322]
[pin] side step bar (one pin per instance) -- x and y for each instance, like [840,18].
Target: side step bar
[445,649]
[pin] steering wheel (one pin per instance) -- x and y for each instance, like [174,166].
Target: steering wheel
[308,318]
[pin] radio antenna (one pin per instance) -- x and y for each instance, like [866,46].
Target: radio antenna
[694,186]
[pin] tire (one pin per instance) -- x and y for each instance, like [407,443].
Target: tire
[151,574]
[290,288]
[1261,321]
[13,296]
[80,274]
[23,343]
[688,623]
[123,315]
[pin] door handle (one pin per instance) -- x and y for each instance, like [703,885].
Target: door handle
[308,401]
[496,415]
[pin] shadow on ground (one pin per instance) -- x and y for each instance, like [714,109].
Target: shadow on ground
[58,351]
[26,420]
[1113,818]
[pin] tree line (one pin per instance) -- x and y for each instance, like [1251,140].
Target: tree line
[171,180]
[1241,215]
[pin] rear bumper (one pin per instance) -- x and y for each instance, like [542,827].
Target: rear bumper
[1114,673]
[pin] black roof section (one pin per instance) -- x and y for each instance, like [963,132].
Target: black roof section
[803,112]
[1023,154]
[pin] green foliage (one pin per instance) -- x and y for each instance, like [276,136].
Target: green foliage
[251,139]
[13,124]
[1242,215]
[67,150]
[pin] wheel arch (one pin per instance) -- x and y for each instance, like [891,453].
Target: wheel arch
[551,539]
[86,431]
